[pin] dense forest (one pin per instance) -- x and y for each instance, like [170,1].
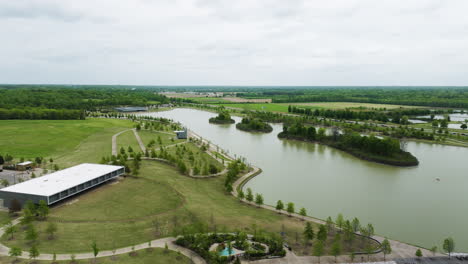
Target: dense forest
[383,150]
[41,113]
[254,125]
[455,97]
[79,97]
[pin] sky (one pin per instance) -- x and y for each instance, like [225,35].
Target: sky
[241,42]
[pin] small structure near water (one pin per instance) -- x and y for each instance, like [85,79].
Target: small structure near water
[181,134]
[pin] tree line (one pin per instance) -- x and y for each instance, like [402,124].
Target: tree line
[41,113]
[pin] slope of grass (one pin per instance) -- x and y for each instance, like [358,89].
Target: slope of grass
[55,138]
[128,139]
[155,256]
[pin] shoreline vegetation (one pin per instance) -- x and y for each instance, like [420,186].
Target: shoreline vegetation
[386,151]
[223,118]
[254,125]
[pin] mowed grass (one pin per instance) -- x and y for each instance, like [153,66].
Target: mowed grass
[69,142]
[344,105]
[128,139]
[125,199]
[155,256]
[201,158]
[283,108]
[167,138]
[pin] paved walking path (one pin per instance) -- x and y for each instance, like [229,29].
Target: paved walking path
[140,142]
[158,243]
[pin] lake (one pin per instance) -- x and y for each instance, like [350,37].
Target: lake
[406,204]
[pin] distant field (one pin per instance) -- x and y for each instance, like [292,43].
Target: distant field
[68,141]
[283,108]
[343,105]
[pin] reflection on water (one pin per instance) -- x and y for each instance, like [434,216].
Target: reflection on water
[407,204]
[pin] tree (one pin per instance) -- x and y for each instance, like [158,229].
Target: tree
[130,149]
[370,230]
[51,229]
[259,199]
[241,195]
[308,232]
[329,223]
[5,182]
[95,249]
[336,249]
[290,208]
[31,233]
[15,252]
[418,253]
[303,212]
[249,195]
[322,233]
[386,248]
[33,252]
[356,225]
[449,245]
[42,210]
[279,205]
[10,230]
[317,250]
[2,160]
[339,221]
[463,126]
[434,250]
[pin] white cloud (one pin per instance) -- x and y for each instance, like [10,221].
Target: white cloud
[244,42]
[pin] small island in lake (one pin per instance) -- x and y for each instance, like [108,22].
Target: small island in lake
[254,125]
[223,118]
[385,151]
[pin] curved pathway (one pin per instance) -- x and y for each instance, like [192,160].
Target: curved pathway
[158,243]
[140,142]
[114,141]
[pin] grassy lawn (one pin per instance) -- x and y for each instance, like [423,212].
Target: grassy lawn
[205,203]
[4,217]
[128,139]
[200,158]
[56,138]
[116,201]
[260,107]
[166,139]
[343,105]
[155,256]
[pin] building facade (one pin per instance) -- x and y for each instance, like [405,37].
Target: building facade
[60,185]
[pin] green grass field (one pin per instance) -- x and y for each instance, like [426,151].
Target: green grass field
[156,256]
[128,139]
[166,139]
[103,204]
[69,142]
[283,108]
[201,158]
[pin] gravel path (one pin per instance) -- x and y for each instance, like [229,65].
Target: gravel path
[114,142]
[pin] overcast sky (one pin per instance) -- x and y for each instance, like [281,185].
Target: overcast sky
[234,42]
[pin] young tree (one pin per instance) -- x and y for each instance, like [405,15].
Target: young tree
[279,205]
[15,252]
[241,195]
[10,230]
[42,210]
[303,212]
[95,249]
[259,199]
[322,233]
[356,225]
[419,253]
[463,126]
[31,233]
[290,208]
[386,248]
[317,250]
[308,232]
[339,221]
[2,160]
[434,250]
[249,195]
[33,252]
[329,223]
[449,245]
[51,229]
[336,249]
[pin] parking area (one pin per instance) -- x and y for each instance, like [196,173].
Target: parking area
[13,177]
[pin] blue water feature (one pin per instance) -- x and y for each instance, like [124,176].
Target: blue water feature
[226,252]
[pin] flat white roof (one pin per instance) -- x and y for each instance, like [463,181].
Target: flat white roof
[25,163]
[56,182]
